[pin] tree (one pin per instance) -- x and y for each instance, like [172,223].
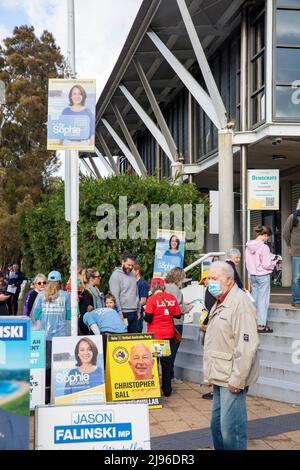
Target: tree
[45,234]
[26,64]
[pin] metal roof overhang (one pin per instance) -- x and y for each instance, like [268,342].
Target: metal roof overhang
[214,21]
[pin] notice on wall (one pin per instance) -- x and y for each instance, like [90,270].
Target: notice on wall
[263,190]
[131,369]
[78,370]
[93,427]
[37,369]
[71,114]
[14,383]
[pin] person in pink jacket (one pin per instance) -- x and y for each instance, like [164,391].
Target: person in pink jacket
[260,266]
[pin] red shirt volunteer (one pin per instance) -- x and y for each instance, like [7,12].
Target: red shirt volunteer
[160,306]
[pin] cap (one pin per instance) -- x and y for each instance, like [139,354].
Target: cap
[158,280]
[203,276]
[54,276]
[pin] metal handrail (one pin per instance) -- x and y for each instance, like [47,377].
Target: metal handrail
[203,258]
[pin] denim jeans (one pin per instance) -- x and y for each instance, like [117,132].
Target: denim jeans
[296,279]
[132,321]
[261,293]
[229,419]
[174,348]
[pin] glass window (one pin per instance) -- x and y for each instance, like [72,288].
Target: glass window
[288,3]
[258,73]
[288,65]
[287,102]
[288,31]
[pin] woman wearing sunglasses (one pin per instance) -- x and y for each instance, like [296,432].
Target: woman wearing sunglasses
[39,284]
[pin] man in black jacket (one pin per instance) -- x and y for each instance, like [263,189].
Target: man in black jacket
[15,279]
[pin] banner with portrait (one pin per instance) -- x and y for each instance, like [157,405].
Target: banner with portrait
[78,370]
[131,369]
[71,114]
[14,383]
[169,252]
[37,369]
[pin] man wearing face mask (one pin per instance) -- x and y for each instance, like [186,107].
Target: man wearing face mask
[122,284]
[230,357]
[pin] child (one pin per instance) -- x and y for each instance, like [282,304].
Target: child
[105,321]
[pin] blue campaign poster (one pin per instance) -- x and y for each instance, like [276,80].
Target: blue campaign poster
[71,114]
[37,369]
[14,383]
[169,252]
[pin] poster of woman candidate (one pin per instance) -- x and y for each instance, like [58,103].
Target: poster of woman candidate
[78,370]
[14,383]
[169,252]
[71,114]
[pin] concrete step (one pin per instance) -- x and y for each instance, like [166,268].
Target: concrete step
[191,372]
[191,347]
[283,325]
[278,371]
[279,340]
[279,355]
[288,392]
[288,313]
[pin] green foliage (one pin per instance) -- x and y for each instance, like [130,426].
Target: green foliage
[26,64]
[45,234]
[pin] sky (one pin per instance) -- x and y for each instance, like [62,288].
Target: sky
[101,29]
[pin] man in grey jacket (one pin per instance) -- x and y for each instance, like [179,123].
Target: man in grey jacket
[230,357]
[122,284]
[291,235]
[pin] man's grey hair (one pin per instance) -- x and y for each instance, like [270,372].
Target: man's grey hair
[225,268]
[233,252]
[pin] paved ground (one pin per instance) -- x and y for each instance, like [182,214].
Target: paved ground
[183,422]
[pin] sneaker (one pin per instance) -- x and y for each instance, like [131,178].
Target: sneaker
[208,396]
[177,381]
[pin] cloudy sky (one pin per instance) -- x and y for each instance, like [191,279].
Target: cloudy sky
[101,28]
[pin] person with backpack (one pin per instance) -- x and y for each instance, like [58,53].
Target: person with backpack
[291,236]
[91,298]
[52,314]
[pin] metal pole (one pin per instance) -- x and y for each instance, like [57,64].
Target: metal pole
[74,182]
[244,127]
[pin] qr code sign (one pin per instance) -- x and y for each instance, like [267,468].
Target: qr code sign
[270,201]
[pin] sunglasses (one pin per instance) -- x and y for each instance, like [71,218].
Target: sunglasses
[42,283]
[96,276]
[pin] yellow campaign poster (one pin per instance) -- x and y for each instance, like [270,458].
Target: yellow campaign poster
[131,370]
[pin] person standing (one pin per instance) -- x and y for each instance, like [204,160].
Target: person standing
[90,296]
[233,257]
[38,285]
[143,291]
[3,296]
[173,284]
[260,267]
[230,357]
[122,284]
[52,312]
[291,236]
[15,279]
[160,309]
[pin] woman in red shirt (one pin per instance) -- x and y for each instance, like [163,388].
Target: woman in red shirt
[160,309]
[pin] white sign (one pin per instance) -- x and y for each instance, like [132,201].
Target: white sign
[194,294]
[214,212]
[37,369]
[93,427]
[263,190]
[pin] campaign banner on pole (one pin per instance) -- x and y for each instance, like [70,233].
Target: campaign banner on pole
[14,383]
[37,369]
[263,190]
[131,369]
[78,370]
[169,252]
[93,427]
[71,114]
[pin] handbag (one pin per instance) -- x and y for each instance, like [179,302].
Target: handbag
[177,337]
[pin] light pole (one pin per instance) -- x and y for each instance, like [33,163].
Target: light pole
[72,182]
